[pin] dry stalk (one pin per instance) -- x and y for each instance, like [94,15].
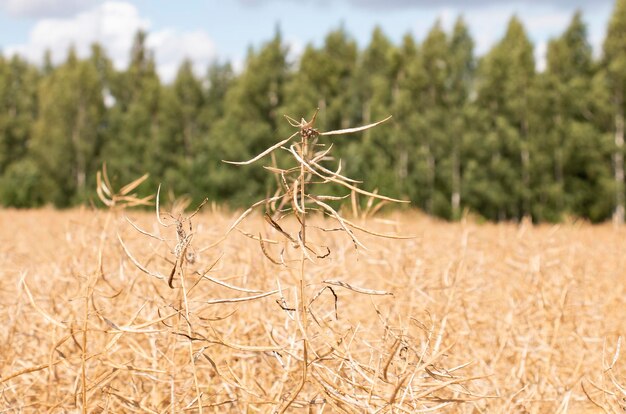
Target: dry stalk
[184,254]
[294,197]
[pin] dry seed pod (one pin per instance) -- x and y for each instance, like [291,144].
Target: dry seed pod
[293,192]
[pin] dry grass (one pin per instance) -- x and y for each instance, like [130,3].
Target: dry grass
[483,318]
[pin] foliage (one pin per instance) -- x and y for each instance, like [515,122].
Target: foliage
[492,135]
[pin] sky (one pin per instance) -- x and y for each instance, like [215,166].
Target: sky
[206,31]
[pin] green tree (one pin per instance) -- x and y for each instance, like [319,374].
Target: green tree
[181,107]
[615,67]
[323,79]
[461,74]
[436,84]
[250,123]
[134,118]
[18,110]
[434,135]
[568,175]
[218,81]
[67,134]
[369,155]
[401,135]
[505,77]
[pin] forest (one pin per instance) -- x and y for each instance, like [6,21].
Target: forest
[491,135]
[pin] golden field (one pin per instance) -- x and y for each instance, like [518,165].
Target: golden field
[462,318]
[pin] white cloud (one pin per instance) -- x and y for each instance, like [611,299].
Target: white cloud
[171,47]
[447,17]
[114,24]
[553,23]
[45,8]
[488,26]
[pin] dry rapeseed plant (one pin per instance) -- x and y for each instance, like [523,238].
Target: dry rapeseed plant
[608,392]
[182,251]
[530,306]
[294,197]
[115,201]
[183,255]
[122,198]
[189,310]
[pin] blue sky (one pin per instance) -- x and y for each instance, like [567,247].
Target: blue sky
[207,30]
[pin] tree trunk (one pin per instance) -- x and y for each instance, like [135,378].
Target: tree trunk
[321,104]
[431,180]
[559,162]
[525,156]
[403,163]
[455,199]
[79,149]
[618,162]
[366,114]
[187,139]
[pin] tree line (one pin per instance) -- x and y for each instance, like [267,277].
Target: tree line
[489,135]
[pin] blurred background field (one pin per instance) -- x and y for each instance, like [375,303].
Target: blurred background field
[510,318]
